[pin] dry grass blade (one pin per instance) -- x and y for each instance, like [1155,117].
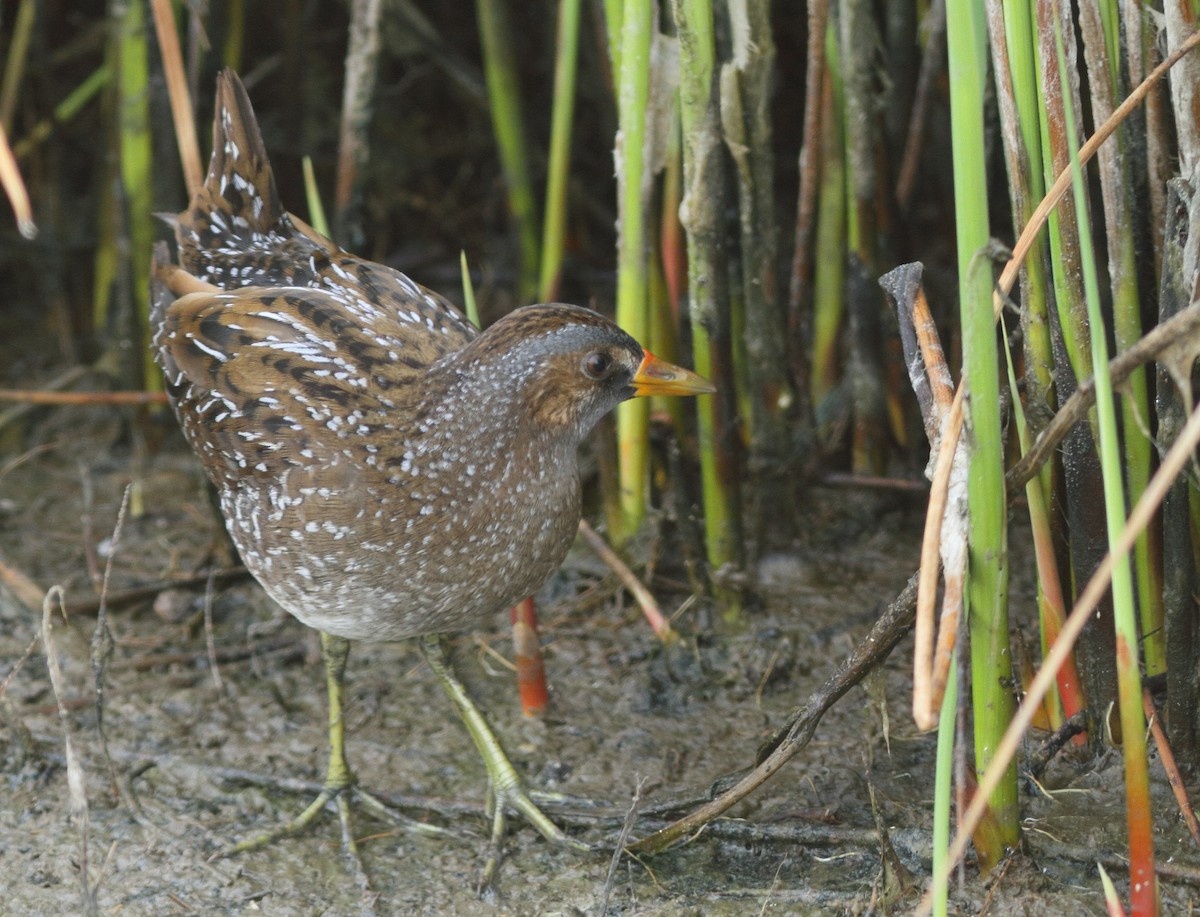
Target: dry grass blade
[924,710]
[102,639]
[930,379]
[181,101]
[622,839]
[1164,341]
[29,593]
[14,187]
[76,780]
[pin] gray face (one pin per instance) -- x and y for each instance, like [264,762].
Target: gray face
[558,368]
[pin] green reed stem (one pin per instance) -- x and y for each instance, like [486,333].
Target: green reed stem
[133,112]
[235,33]
[554,224]
[504,99]
[702,214]
[472,307]
[632,247]
[1100,26]
[614,22]
[829,280]
[991,664]
[1015,70]
[312,195]
[1052,610]
[14,64]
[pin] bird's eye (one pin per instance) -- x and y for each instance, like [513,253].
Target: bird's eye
[595,365]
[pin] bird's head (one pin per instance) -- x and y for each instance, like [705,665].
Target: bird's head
[570,366]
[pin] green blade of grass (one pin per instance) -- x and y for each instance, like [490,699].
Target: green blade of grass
[316,210]
[1143,886]
[468,291]
[943,782]
[1098,26]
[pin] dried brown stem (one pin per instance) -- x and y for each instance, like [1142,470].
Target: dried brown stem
[28,592]
[104,399]
[1172,769]
[181,101]
[810,170]
[932,62]
[662,627]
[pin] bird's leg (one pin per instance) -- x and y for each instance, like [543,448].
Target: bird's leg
[339,781]
[335,651]
[503,780]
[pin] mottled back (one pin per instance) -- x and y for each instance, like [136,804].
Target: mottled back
[236,233]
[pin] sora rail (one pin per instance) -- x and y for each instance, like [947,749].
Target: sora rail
[385,470]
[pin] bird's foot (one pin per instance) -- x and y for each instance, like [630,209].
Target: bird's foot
[508,793]
[505,786]
[341,796]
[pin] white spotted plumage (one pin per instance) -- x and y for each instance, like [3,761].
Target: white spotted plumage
[384,470]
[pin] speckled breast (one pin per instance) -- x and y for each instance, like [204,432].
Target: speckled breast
[428,550]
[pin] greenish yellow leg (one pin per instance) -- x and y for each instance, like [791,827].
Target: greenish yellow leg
[503,780]
[339,781]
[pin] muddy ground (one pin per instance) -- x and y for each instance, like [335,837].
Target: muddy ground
[624,711]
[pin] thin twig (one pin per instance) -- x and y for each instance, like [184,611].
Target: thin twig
[63,380]
[661,626]
[1168,762]
[619,847]
[17,666]
[1181,327]
[102,639]
[105,399]
[888,630]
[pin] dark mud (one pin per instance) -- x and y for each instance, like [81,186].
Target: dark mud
[625,713]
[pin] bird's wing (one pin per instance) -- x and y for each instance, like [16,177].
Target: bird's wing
[269,378]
